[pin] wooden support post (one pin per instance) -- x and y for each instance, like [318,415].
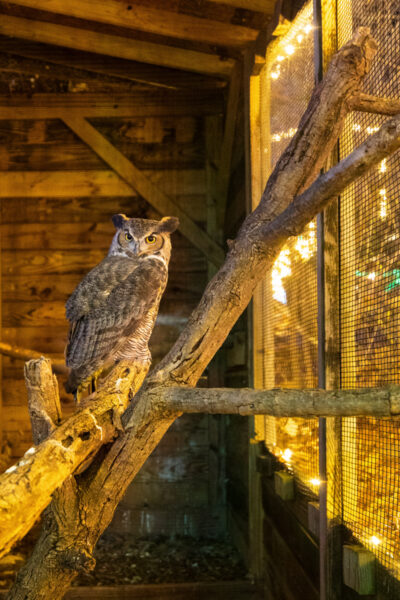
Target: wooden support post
[359,569]
[138,181]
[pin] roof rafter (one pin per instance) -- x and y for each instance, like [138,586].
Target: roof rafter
[117,46]
[148,19]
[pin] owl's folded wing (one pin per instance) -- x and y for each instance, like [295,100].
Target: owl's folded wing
[100,330]
[92,292]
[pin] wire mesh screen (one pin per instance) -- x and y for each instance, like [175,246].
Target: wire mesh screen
[290,299]
[370,296]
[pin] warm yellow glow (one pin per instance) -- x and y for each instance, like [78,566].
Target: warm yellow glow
[283,135]
[287,455]
[281,269]
[275,74]
[289,49]
[306,244]
[383,205]
[375,541]
[383,166]
[315,481]
[299,38]
[372,276]
[356,127]
[371,130]
[307,28]
[280,58]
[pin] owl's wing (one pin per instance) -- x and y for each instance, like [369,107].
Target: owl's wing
[95,334]
[94,289]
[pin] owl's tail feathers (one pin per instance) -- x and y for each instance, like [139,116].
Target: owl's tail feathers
[72,383]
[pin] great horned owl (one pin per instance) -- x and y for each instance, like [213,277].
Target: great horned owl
[113,309]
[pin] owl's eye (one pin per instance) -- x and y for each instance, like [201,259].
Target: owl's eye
[151,239]
[128,237]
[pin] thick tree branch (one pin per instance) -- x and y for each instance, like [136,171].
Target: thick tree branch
[26,488]
[379,402]
[374,104]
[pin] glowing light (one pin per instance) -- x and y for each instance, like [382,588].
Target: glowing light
[280,58]
[356,127]
[287,455]
[370,130]
[289,49]
[375,541]
[275,74]
[372,276]
[306,244]
[307,28]
[315,481]
[281,269]
[299,38]
[383,205]
[283,135]
[383,166]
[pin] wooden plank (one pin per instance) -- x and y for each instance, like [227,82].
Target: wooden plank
[113,45]
[42,262]
[160,201]
[149,19]
[75,184]
[224,170]
[265,6]
[235,590]
[91,105]
[158,77]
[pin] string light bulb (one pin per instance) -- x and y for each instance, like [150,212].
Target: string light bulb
[383,166]
[315,481]
[287,455]
[375,541]
[289,49]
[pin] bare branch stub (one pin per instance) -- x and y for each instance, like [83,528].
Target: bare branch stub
[43,398]
[374,104]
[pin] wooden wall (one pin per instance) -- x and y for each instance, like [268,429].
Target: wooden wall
[57,197]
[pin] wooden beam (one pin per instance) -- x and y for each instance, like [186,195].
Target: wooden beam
[265,6]
[81,184]
[113,45]
[224,170]
[129,70]
[138,181]
[57,364]
[149,19]
[53,106]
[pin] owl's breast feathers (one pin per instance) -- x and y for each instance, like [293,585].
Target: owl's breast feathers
[112,313]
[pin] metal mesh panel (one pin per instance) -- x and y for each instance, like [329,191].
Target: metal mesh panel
[288,81]
[370,296]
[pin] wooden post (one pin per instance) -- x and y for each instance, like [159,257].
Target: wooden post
[332,348]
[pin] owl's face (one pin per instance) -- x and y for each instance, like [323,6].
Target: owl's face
[142,237]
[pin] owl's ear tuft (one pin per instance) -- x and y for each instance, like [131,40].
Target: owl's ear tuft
[119,220]
[169,224]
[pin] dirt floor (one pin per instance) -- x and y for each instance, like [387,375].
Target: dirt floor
[122,561]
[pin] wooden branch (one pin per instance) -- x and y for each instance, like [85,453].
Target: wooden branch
[137,180]
[373,104]
[149,19]
[303,208]
[41,470]
[58,365]
[379,402]
[43,398]
[113,45]
[54,106]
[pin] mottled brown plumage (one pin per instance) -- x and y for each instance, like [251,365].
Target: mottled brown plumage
[113,309]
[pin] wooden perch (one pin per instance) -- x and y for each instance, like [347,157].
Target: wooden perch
[57,364]
[378,402]
[43,469]
[374,104]
[225,298]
